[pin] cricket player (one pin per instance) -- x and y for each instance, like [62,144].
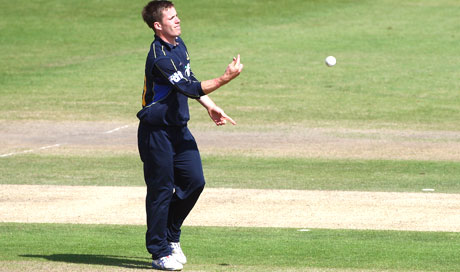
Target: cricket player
[171,160]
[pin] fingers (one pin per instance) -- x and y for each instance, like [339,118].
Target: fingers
[220,123]
[240,68]
[238,64]
[226,117]
[238,61]
[222,119]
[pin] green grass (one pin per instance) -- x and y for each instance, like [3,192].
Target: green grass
[332,174]
[262,249]
[242,172]
[72,170]
[397,62]
[84,60]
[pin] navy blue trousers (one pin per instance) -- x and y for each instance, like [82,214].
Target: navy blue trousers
[174,177]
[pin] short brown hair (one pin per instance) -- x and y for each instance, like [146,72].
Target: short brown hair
[153,11]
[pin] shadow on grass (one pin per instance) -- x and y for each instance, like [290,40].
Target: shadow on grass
[108,260]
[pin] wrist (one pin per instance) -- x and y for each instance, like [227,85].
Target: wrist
[223,80]
[217,82]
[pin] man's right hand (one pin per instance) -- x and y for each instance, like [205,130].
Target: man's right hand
[233,69]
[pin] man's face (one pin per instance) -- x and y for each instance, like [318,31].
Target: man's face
[170,25]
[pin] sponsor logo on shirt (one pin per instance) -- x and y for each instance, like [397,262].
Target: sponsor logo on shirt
[176,77]
[187,70]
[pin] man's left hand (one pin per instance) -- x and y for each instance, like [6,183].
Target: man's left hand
[219,117]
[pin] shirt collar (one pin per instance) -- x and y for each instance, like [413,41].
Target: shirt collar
[170,46]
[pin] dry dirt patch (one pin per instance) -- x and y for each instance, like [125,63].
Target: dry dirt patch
[236,207]
[109,137]
[232,207]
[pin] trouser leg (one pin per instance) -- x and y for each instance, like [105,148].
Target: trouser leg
[188,182]
[178,211]
[157,204]
[171,162]
[157,154]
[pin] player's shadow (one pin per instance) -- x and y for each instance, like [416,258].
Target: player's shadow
[108,260]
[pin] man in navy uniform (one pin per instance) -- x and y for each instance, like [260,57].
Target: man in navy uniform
[172,164]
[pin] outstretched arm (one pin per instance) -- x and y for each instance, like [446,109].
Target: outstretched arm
[217,114]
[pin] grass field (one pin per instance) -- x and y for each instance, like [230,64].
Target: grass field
[397,62]
[243,172]
[84,61]
[116,246]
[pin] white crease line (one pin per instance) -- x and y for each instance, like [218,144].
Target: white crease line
[30,150]
[56,145]
[116,129]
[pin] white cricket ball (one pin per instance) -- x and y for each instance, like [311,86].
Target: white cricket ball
[330,61]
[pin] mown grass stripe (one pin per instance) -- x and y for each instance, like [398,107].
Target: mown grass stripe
[241,172]
[272,249]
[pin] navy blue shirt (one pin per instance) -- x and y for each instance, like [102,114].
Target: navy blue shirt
[168,84]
